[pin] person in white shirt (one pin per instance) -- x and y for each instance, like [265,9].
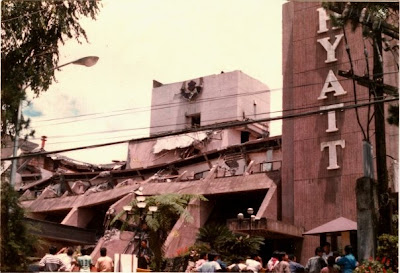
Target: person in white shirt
[238,265]
[252,264]
[211,265]
[67,258]
[201,261]
[327,251]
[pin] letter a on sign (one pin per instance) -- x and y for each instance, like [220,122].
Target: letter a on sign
[331,85]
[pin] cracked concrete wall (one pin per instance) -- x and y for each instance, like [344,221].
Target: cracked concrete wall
[183,234]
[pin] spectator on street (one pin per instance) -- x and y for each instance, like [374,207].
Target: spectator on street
[221,263]
[238,265]
[326,247]
[283,266]
[331,266]
[84,261]
[294,266]
[316,263]
[274,261]
[201,261]
[67,258]
[347,262]
[104,263]
[211,265]
[50,262]
[253,264]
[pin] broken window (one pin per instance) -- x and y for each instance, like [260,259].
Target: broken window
[198,176]
[244,136]
[195,121]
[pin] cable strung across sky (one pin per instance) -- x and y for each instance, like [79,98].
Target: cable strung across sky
[209,127]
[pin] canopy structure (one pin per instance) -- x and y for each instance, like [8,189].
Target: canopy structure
[338,225]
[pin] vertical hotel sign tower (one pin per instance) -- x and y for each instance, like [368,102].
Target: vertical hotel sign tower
[331,86]
[322,153]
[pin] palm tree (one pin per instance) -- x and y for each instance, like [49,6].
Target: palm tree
[213,234]
[241,244]
[225,242]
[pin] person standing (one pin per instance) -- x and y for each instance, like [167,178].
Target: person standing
[238,265]
[274,261]
[145,255]
[84,261]
[201,261]
[211,265]
[283,266]
[331,266]
[294,266]
[316,263]
[326,247]
[50,262]
[67,258]
[347,262]
[104,263]
[252,264]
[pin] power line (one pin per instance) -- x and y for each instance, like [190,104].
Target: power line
[170,105]
[178,124]
[204,128]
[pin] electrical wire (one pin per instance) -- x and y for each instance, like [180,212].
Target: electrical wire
[178,124]
[156,107]
[203,128]
[354,84]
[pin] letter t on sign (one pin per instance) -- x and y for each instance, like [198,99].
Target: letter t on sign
[332,152]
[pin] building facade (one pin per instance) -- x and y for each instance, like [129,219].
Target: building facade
[323,153]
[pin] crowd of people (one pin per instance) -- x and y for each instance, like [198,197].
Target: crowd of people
[67,260]
[324,261]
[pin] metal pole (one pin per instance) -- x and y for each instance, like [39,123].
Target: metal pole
[15,148]
[385,216]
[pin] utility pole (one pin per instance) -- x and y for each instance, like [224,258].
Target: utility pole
[385,217]
[378,89]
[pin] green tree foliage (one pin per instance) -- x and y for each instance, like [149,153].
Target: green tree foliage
[227,243]
[388,248]
[241,245]
[214,234]
[375,18]
[31,33]
[17,241]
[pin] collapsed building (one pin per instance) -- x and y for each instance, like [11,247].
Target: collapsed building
[300,184]
[234,167]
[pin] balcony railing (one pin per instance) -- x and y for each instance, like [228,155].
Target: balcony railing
[265,227]
[247,224]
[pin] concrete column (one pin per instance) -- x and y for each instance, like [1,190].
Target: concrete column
[78,217]
[366,218]
[183,234]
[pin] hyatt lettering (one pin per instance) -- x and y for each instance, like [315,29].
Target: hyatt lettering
[331,85]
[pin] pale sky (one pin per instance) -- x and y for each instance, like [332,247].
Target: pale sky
[141,40]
